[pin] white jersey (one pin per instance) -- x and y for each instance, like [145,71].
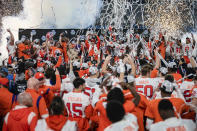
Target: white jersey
[42,126]
[187,49]
[147,86]
[11,49]
[185,88]
[174,124]
[177,50]
[76,103]
[129,123]
[92,87]
[95,95]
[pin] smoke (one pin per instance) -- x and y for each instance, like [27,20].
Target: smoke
[52,14]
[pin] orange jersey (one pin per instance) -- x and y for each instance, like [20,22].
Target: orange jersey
[47,86]
[54,50]
[22,47]
[103,121]
[5,101]
[40,107]
[64,45]
[59,62]
[139,111]
[152,111]
[47,90]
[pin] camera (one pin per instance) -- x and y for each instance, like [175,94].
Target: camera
[29,63]
[94,62]
[20,68]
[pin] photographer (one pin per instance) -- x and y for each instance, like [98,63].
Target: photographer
[20,83]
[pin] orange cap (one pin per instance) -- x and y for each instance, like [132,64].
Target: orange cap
[39,75]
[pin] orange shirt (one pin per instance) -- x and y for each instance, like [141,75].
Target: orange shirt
[64,45]
[48,91]
[103,121]
[162,49]
[20,119]
[5,101]
[177,77]
[153,112]
[22,47]
[41,110]
[56,122]
[59,62]
[53,49]
[139,111]
[54,88]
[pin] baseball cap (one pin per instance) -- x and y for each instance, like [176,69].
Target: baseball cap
[4,81]
[172,65]
[163,70]
[93,70]
[167,86]
[77,64]
[39,76]
[40,69]
[3,72]
[85,65]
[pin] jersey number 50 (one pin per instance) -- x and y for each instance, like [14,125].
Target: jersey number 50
[145,89]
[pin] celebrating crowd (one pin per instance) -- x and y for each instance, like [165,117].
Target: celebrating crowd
[111,82]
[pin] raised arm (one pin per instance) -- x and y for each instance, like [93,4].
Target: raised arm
[131,62]
[107,60]
[158,61]
[11,37]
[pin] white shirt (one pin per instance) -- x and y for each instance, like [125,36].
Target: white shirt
[187,48]
[42,126]
[11,49]
[174,124]
[177,49]
[96,94]
[129,123]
